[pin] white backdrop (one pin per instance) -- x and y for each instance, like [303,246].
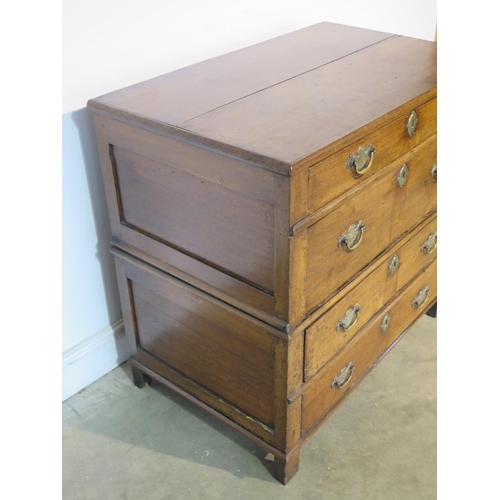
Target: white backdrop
[109,44]
[114,43]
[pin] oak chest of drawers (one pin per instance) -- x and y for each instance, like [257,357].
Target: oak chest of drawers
[273,213]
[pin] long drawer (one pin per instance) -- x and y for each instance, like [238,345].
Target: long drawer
[338,376]
[361,227]
[332,331]
[330,178]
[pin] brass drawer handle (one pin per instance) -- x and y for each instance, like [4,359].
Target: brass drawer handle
[421,298]
[394,264]
[362,160]
[353,237]
[349,320]
[385,323]
[344,376]
[411,124]
[430,244]
[434,172]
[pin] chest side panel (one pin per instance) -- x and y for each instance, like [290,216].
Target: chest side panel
[170,199]
[207,218]
[207,343]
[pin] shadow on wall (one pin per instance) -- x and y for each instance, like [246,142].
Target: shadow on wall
[85,125]
[91,306]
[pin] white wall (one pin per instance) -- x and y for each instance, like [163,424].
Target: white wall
[93,341]
[111,44]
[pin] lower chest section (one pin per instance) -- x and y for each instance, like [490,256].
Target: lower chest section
[278,387]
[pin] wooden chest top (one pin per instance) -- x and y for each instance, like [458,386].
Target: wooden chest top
[289,101]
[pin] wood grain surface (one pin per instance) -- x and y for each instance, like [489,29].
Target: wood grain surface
[205,218]
[364,350]
[302,115]
[387,212]
[323,340]
[204,342]
[213,173]
[330,178]
[197,89]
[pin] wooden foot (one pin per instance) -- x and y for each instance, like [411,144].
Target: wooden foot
[285,470]
[140,378]
[432,312]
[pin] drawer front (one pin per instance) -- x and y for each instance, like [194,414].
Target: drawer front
[330,178]
[417,254]
[332,331]
[385,210]
[343,371]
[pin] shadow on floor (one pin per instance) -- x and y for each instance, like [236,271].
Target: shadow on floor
[163,421]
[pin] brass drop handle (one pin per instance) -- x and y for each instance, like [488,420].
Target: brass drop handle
[362,160]
[411,124]
[344,376]
[421,298]
[352,238]
[434,172]
[349,320]
[430,244]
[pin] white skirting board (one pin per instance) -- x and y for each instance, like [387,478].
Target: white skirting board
[93,358]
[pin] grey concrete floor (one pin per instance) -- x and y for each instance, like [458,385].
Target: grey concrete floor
[120,442]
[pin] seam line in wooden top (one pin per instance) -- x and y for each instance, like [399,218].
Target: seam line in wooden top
[180,125]
[182,134]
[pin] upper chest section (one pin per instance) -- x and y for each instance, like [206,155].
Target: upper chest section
[287,100]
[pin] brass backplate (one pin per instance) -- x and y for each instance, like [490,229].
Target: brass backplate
[411,124]
[385,322]
[403,175]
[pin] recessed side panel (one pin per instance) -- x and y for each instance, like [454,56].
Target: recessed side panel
[207,343]
[203,217]
[158,226]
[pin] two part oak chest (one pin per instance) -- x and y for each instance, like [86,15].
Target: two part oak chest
[273,213]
